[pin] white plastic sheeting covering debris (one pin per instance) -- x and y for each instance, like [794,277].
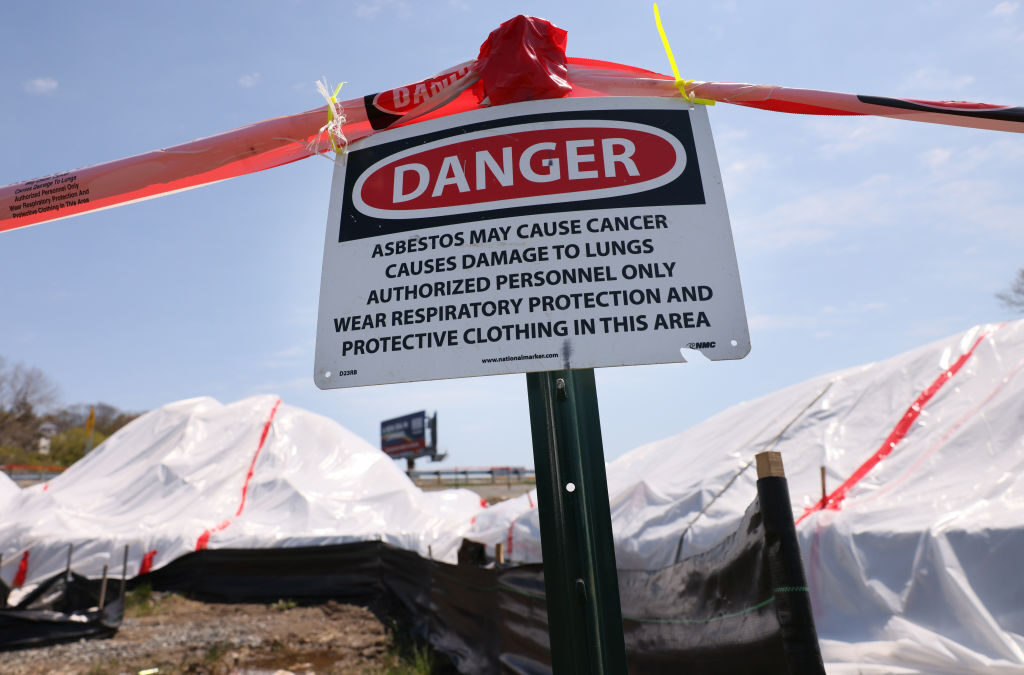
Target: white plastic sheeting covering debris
[253,474]
[918,570]
[8,488]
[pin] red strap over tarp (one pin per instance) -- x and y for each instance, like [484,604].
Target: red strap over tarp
[204,539]
[146,566]
[522,59]
[835,500]
[19,576]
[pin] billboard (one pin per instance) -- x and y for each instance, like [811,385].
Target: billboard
[405,437]
[536,236]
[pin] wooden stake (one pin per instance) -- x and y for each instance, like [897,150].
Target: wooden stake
[769,464]
[124,571]
[824,492]
[499,553]
[103,588]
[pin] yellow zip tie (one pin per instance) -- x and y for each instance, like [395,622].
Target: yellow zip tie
[330,117]
[680,82]
[335,122]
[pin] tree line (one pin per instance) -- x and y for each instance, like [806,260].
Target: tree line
[29,413]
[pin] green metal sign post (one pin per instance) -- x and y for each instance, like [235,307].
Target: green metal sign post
[580,579]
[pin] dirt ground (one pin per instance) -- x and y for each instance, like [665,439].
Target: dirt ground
[178,635]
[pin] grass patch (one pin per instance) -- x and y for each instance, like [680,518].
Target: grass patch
[405,656]
[144,601]
[215,652]
[140,601]
[283,605]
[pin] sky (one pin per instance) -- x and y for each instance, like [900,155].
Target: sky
[857,238]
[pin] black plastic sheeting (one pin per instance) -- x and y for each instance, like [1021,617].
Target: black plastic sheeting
[740,607]
[62,608]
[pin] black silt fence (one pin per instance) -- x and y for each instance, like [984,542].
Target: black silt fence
[63,608]
[739,607]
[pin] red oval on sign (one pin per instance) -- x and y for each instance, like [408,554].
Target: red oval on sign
[518,166]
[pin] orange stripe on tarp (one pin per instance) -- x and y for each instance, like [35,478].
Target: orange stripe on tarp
[19,576]
[953,428]
[835,500]
[204,539]
[259,448]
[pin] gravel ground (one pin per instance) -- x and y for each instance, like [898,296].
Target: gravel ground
[183,636]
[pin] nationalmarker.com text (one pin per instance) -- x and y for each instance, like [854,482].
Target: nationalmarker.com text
[521,357]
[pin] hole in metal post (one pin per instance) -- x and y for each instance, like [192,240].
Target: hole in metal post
[327,373]
[733,343]
[570,487]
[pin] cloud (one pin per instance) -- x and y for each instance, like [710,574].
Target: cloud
[371,8]
[763,323]
[249,81]
[41,85]
[827,322]
[739,173]
[1005,9]
[1006,26]
[966,185]
[843,137]
[752,162]
[936,157]
[300,384]
[935,81]
[974,188]
[497,391]
[821,214]
[738,163]
[290,357]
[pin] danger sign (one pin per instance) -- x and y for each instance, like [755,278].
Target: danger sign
[572,233]
[516,165]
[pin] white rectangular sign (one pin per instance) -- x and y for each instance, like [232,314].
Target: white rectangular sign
[547,235]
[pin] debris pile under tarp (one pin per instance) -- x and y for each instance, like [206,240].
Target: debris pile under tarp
[8,488]
[198,474]
[912,558]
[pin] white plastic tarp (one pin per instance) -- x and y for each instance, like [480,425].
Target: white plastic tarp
[198,474]
[8,488]
[918,569]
